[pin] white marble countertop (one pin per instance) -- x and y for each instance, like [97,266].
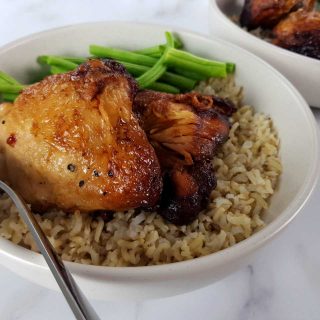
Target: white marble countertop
[283,282]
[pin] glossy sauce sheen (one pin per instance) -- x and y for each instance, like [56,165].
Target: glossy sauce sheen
[77,143]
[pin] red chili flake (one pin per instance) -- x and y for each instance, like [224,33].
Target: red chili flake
[11,141]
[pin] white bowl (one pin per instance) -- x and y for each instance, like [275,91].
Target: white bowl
[265,88]
[302,71]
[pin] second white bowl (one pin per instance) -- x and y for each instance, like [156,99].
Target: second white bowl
[303,72]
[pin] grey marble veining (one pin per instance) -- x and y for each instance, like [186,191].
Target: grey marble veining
[283,281]
[25,17]
[259,296]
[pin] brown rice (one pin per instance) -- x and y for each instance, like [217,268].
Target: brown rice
[247,169]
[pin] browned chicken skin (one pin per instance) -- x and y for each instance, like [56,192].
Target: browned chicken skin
[267,13]
[300,32]
[75,141]
[185,130]
[186,192]
[72,141]
[183,127]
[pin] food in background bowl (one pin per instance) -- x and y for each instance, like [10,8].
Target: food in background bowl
[92,153]
[301,70]
[293,25]
[300,33]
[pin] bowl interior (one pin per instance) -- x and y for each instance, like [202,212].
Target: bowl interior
[301,70]
[230,7]
[266,89]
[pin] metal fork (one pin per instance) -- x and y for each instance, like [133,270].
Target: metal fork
[78,303]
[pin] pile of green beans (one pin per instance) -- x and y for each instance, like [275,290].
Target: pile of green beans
[165,67]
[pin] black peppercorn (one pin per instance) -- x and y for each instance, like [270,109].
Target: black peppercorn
[110,173]
[96,173]
[71,167]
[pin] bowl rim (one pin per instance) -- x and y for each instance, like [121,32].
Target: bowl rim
[178,269]
[267,45]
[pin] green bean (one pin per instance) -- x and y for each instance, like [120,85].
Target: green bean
[163,87]
[123,55]
[190,62]
[168,77]
[9,96]
[156,51]
[7,78]
[159,68]
[11,88]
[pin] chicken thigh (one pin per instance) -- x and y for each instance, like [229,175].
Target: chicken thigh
[185,130]
[300,32]
[267,13]
[72,141]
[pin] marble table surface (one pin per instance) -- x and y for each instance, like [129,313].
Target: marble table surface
[283,282]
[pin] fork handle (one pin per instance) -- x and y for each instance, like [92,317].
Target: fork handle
[78,303]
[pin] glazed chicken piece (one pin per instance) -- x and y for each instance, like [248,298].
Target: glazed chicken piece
[186,192]
[185,130]
[300,32]
[267,13]
[72,141]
